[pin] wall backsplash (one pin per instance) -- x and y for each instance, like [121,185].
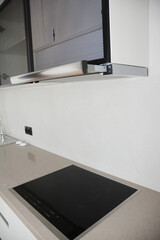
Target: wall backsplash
[111,125]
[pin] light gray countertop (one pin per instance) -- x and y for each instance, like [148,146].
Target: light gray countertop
[138,218]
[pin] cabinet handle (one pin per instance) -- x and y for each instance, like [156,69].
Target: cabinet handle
[4,220]
[54,35]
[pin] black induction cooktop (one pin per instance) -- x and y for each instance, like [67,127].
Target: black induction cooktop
[73,199]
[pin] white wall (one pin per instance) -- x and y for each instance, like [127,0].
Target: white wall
[111,125]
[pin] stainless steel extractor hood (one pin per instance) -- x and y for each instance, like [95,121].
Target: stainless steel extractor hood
[80,68]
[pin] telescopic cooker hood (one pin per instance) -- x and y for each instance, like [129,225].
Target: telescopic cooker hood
[80,68]
[113,41]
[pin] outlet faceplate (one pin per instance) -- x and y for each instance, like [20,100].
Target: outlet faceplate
[28,130]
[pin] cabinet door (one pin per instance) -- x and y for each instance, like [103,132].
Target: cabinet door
[13,228]
[64,20]
[72,31]
[13,50]
[12,25]
[4,225]
[37,23]
[60,20]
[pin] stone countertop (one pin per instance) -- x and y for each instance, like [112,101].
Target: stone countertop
[138,218]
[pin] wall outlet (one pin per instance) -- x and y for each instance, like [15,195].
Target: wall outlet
[28,130]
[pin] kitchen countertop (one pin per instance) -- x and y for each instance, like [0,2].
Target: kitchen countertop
[138,218]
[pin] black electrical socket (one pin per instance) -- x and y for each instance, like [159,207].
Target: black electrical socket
[28,130]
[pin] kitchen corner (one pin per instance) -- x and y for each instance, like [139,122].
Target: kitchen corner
[136,218]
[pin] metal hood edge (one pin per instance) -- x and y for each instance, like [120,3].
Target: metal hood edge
[80,68]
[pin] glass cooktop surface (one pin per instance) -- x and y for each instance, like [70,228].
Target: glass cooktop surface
[73,199]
